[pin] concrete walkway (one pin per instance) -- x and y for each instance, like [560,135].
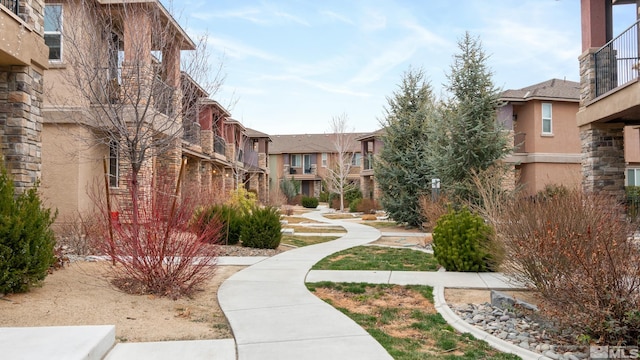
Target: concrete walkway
[274,316]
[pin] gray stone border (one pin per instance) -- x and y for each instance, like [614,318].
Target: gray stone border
[460,325]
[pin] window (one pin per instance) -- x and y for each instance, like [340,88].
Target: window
[113,164]
[324,159]
[546,119]
[296,160]
[307,163]
[53,30]
[633,177]
[356,159]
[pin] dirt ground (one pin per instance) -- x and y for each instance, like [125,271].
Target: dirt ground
[81,294]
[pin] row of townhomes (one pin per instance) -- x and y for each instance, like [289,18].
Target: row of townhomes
[81,82]
[307,158]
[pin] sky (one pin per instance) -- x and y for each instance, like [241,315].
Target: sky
[291,66]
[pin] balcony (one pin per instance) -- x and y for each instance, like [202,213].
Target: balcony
[250,159]
[610,83]
[12,5]
[617,63]
[219,145]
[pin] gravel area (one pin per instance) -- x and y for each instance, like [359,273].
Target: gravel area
[235,250]
[521,328]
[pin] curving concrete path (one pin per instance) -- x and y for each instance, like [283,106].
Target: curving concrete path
[274,316]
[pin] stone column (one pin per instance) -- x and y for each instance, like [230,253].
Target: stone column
[603,163]
[263,191]
[21,90]
[206,176]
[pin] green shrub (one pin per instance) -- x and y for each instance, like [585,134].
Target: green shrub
[26,238]
[231,219]
[352,194]
[460,241]
[262,228]
[353,205]
[309,202]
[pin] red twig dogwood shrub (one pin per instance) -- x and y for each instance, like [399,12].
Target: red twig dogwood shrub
[578,251]
[156,251]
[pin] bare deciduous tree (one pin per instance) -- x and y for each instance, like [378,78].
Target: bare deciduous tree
[338,172]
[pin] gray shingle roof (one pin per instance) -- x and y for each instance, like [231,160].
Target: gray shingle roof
[253,133]
[554,89]
[306,143]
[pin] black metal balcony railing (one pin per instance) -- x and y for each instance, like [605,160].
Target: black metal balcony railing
[12,5]
[251,158]
[219,145]
[617,63]
[191,131]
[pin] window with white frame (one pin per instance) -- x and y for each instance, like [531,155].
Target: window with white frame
[53,30]
[547,124]
[324,160]
[356,160]
[633,177]
[114,172]
[296,160]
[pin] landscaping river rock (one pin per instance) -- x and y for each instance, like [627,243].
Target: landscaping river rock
[518,326]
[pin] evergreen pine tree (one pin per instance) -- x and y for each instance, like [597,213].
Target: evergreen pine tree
[467,136]
[401,170]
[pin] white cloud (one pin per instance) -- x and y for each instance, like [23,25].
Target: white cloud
[251,14]
[336,16]
[330,88]
[235,49]
[291,18]
[372,20]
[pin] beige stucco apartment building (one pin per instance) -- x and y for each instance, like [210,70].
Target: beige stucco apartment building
[114,84]
[547,146]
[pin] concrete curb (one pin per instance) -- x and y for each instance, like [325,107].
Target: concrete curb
[460,325]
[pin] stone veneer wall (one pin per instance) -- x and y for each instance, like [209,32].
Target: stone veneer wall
[21,123]
[603,161]
[587,77]
[32,13]
[20,108]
